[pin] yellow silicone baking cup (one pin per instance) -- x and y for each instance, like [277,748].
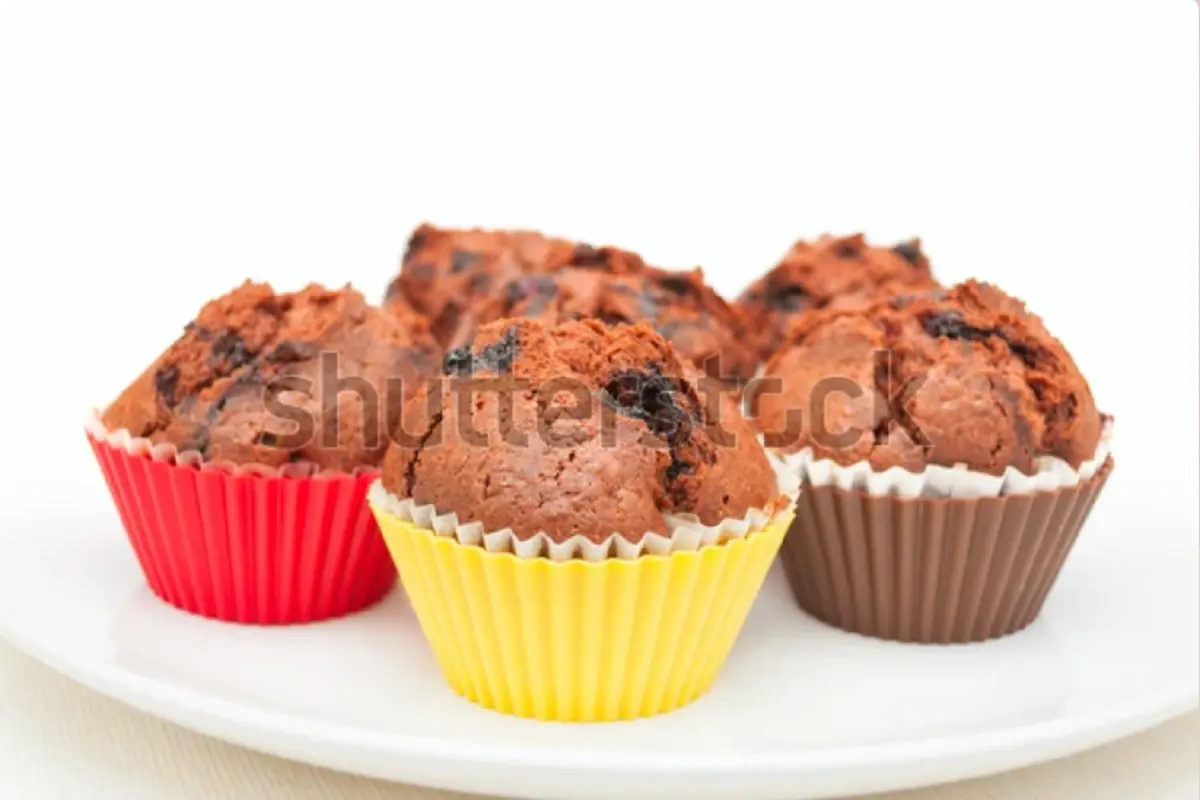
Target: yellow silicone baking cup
[579,641]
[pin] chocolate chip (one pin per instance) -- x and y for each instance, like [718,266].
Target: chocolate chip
[654,398]
[1029,355]
[423,271]
[499,356]
[587,256]
[479,284]
[787,298]
[290,351]
[457,362]
[651,397]
[537,288]
[677,467]
[847,250]
[611,318]
[415,243]
[244,381]
[230,347]
[909,251]
[462,259]
[951,325]
[266,439]
[199,331]
[166,379]
[496,357]
[676,284]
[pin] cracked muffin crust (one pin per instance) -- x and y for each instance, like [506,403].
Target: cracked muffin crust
[709,334]
[254,363]
[830,272]
[959,376]
[445,272]
[576,429]
[461,279]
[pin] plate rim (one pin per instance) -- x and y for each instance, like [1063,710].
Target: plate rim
[283,734]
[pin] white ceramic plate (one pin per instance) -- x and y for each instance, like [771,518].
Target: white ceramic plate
[800,710]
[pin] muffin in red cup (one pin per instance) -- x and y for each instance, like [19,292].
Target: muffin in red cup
[240,459]
[949,451]
[830,272]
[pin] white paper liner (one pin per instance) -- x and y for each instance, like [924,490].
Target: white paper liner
[168,453]
[938,481]
[685,533]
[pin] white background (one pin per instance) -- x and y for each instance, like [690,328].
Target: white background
[153,155]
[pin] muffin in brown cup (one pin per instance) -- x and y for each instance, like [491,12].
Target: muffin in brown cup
[950,451]
[830,272]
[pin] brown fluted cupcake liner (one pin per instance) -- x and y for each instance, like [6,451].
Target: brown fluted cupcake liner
[931,569]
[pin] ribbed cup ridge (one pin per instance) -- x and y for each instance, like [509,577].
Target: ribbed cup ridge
[579,641]
[249,548]
[932,570]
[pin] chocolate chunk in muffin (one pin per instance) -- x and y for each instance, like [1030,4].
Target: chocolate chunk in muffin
[962,376]
[271,378]
[833,271]
[573,429]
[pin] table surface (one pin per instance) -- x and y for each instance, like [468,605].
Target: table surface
[48,721]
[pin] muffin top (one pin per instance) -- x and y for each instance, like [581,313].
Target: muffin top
[961,376]
[708,333]
[831,272]
[447,271]
[261,377]
[574,429]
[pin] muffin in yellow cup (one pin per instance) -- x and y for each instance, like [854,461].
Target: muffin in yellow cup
[581,532]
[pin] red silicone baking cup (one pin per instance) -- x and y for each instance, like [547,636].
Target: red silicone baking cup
[246,547]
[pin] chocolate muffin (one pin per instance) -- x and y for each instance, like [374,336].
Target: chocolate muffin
[965,376]
[708,333]
[576,429]
[834,272]
[949,455]
[445,272]
[271,378]
[555,497]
